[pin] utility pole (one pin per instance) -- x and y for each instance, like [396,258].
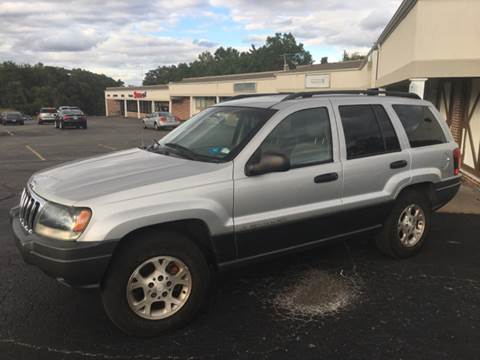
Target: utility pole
[285,63]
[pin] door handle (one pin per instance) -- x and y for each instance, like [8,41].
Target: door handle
[326,178]
[398,164]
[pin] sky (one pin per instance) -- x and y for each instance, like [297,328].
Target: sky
[125,39]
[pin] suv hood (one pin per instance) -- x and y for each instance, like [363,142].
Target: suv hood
[104,175]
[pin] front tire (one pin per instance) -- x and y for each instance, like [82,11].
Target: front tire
[407,227]
[156,283]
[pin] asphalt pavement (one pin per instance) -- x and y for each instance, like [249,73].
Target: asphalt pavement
[341,301]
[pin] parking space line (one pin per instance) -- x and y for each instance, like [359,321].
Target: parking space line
[9,133]
[35,152]
[107,147]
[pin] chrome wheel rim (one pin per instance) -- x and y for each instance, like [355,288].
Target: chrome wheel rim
[411,225]
[159,287]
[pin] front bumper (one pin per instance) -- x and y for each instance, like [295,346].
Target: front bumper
[76,264]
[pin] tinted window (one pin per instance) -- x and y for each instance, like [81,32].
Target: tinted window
[420,124]
[390,138]
[363,135]
[304,137]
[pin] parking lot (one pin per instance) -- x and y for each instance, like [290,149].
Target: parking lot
[342,301]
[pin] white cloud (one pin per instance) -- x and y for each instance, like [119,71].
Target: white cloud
[343,23]
[122,37]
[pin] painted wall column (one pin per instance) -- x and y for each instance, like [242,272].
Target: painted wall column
[106,107]
[191,106]
[217,100]
[153,106]
[125,108]
[170,105]
[417,86]
[138,109]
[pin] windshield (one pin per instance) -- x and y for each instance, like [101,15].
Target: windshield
[216,134]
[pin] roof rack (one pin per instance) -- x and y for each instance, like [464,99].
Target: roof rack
[245,96]
[369,92]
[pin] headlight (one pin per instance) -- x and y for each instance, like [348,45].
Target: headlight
[61,222]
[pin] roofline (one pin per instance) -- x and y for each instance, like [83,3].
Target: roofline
[252,75]
[403,10]
[400,14]
[141,87]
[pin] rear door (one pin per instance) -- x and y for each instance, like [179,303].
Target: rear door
[375,163]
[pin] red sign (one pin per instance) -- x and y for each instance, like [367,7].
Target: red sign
[139,95]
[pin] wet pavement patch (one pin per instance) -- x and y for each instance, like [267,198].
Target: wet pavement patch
[317,293]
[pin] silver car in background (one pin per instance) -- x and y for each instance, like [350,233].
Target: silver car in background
[47,115]
[160,120]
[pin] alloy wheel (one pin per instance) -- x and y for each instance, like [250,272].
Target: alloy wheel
[159,287]
[411,225]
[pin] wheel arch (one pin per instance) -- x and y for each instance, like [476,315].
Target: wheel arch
[194,229]
[425,187]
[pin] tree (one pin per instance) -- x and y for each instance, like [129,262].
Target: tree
[27,88]
[223,61]
[352,56]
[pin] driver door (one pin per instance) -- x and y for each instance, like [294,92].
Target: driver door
[284,210]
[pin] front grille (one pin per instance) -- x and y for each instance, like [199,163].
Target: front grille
[29,208]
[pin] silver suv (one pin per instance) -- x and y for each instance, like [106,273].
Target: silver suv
[241,181]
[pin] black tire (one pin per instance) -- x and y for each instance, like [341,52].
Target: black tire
[40,122]
[22,123]
[388,241]
[129,257]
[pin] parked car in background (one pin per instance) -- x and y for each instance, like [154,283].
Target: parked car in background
[160,120]
[71,117]
[47,115]
[12,117]
[26,117]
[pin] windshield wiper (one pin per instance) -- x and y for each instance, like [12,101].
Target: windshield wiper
[182,150]
[190,154]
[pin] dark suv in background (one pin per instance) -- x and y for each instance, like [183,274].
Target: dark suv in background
[71,117]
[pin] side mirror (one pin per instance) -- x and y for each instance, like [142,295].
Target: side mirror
[268,163]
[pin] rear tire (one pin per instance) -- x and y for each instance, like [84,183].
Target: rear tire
[406,229]
[127,265]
